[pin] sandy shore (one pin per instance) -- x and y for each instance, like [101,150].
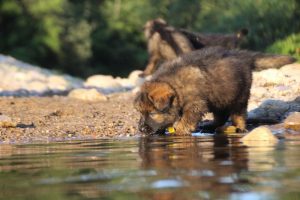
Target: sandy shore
[44,119]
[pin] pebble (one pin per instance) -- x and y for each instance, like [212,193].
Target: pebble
[7,122]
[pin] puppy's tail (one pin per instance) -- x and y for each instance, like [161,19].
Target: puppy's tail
[266,61]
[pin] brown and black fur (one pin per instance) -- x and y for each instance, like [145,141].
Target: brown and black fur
[230,41]
[166,42]
[213,79]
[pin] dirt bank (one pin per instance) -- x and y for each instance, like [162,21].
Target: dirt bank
[59,118]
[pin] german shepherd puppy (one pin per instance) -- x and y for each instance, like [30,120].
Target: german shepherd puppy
[212,79]
[166,42]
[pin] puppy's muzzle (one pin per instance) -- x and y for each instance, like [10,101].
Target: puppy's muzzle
[144,128]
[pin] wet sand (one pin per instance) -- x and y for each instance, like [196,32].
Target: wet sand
[44,119]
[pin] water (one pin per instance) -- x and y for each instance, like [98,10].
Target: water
[161,167]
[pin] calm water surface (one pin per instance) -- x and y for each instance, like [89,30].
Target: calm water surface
[161,167]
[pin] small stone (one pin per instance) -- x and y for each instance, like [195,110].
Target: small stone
[7,122]
[261,133]
[229,130]
[87,94]
[293,121]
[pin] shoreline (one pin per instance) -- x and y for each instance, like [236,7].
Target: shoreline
[63,118]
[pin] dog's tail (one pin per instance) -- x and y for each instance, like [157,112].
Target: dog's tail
[266,61]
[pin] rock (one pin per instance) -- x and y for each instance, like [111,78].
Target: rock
[280,84]
[292,70]
[269,77]
[271,109]
[135,78]
[132,81]
[87,95]
[22,79]
[105,83]
[275,110]
[259,92]
[7,122]
[293,121]
[37,86]
[261,133]
[56,82]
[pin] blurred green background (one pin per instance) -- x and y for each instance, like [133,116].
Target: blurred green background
[83,37]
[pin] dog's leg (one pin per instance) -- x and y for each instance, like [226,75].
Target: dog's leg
[238,120]
[192,115]
[219,121]
[152,65]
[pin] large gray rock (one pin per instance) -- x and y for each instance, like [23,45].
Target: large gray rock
[274,109]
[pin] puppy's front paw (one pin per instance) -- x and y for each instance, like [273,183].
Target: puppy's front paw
[183,129]
[230,130]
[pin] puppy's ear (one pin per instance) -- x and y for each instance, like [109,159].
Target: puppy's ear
[162,96]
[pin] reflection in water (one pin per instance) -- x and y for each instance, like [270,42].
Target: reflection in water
[204,163]
[159,167]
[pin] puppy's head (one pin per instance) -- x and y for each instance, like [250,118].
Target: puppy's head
[152,26]
[157,103]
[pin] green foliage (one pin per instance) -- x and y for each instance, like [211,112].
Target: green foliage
[30,31]
[105,36]
[290,45]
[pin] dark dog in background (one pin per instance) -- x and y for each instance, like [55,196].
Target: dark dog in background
[230,41]
[166,42]
[212,79]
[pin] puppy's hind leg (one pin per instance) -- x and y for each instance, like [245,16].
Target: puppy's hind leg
[220,119]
